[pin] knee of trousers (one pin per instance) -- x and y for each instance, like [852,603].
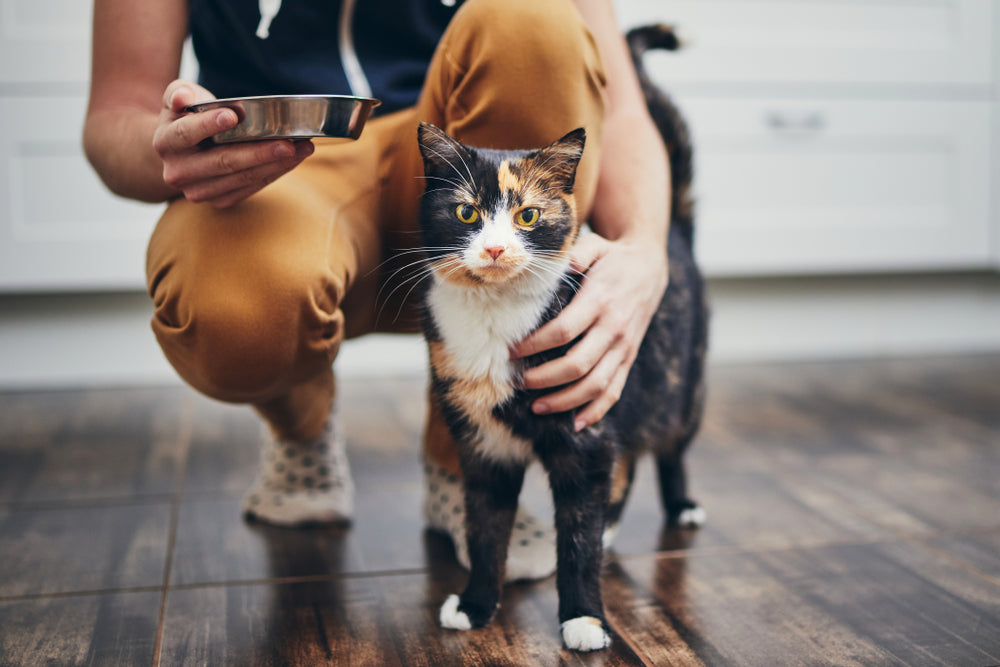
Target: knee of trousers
[537,58]
[520,75]
[248,336]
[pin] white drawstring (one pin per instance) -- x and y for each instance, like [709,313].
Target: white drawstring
[268,10]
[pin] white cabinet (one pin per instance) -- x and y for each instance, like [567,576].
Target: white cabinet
[824,41]
[59,227]
[836,136]
[45,41]
[826,185]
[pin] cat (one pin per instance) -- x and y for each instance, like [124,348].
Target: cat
[496,226]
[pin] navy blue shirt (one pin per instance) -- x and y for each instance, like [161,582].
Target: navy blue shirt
[299,50]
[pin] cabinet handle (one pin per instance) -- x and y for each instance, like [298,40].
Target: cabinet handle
[813,121]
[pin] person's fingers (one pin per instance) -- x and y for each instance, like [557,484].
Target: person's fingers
[190,130]
[587,250]
[562,330]
[180,94]
[599,407]
[221,191]
[581,312]
[230,159]
[578,361]
[591,388]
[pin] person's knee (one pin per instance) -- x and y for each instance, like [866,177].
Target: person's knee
[248,338]
[518,74]
[535,41]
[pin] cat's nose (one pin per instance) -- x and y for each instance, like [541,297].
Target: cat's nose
[495,251]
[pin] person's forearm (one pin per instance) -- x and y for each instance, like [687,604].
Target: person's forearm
[633,192]
[119,144]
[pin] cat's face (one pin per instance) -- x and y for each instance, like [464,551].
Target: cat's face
[490,216]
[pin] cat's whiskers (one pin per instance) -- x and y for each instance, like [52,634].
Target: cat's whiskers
[547,269]
[461,188]
[422,271]
[417,278]
[460,175]
[410,251]
[441,133]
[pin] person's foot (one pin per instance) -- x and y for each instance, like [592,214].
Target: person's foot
[532,550]
[302,482]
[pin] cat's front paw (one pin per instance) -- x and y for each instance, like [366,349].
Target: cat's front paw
[456,615]
[585,633]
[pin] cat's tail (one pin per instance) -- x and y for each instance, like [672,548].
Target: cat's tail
[670,122]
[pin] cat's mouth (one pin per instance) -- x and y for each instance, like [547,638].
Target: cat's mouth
[496,271]
[473,275]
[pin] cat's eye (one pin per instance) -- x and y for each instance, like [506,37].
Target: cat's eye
[527,217]
[467,213]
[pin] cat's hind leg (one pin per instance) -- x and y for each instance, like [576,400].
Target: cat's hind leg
[491,492]
[622,476]
[680,510]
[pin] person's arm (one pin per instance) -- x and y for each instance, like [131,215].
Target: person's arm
[137,136]
[625,261]
[136,53]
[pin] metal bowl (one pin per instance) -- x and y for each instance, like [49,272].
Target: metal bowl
[292,116]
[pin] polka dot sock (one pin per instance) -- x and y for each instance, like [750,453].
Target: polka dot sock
[532,551]
[302,482]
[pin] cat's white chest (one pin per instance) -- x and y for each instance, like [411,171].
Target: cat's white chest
[478,327]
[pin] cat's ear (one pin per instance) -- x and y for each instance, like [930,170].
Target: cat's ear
[438,149]
[562,157]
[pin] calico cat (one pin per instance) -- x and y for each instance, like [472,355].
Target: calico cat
[497,226]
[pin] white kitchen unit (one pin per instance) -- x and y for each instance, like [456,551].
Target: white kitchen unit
[44,41]
[60,229]
[834,185]
[835,136]
[741,42]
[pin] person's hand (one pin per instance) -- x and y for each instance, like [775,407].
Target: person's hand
[223,174]
[621,291]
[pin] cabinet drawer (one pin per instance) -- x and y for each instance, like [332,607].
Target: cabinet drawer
[830,185]
[59,227]
[822,41]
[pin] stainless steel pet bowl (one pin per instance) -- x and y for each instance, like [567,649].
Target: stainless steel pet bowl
[292,116]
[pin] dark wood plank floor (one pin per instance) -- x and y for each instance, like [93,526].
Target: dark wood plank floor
[854,519]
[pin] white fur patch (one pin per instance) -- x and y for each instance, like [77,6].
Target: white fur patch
[693,517]
[451,617]
[609,536]
[497,443]
[585,633]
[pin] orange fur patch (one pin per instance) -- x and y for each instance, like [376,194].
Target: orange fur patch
[506,178]
[476,398]
[619,479]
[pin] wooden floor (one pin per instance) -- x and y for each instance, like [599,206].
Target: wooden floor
[854,519]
